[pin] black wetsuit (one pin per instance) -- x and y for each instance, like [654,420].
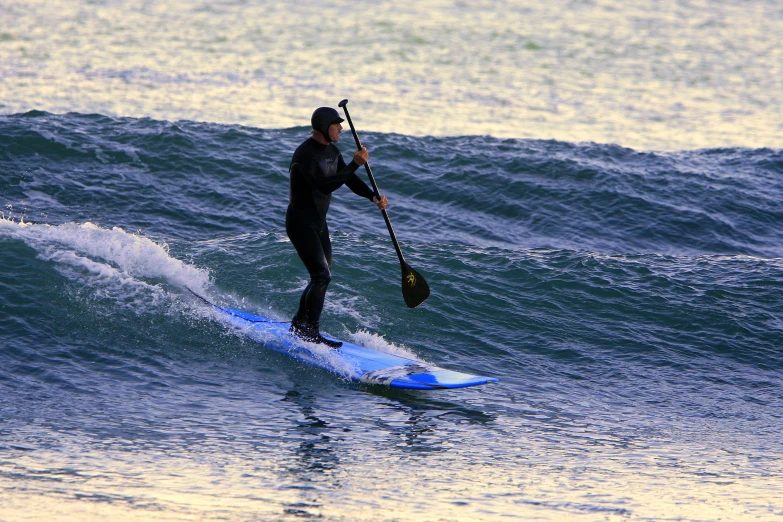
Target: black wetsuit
[316,170]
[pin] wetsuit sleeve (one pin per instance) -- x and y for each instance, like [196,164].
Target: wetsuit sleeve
[344,172]
[359,187]
[330,182]
[353,181]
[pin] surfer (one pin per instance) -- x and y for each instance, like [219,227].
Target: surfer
[317,169]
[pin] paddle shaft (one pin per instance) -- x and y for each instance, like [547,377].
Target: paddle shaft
[374,185]
[415,289]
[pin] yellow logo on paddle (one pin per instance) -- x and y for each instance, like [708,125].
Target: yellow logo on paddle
[411,280]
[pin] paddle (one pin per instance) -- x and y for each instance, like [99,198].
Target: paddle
[414,288]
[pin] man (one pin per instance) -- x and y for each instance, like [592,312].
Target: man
[318,169]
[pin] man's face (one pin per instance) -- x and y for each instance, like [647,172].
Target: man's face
[334,132]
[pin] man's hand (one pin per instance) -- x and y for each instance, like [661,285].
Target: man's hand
[361,156]
[382,203]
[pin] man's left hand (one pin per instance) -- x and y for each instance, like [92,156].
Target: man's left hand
[382,203]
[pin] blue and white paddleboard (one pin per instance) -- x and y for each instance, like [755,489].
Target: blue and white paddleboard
[355,362]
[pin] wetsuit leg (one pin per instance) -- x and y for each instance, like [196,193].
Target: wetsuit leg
[312,243]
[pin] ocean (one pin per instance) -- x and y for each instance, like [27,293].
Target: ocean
[592,191]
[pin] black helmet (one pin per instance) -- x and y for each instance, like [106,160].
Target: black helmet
[322,118]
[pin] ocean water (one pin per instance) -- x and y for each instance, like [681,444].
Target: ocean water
[652,75]
[592,191]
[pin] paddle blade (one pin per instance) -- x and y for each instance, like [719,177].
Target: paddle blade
[415,289]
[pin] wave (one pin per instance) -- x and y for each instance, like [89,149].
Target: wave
[195,180]
[566,250]
[137,274]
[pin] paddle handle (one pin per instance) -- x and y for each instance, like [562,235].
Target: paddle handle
[344,105]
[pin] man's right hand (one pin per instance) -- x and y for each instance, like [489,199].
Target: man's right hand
[360,157]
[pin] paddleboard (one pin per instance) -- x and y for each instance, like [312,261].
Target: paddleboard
[355,362]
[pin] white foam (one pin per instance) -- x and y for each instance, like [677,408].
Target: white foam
[355,307]
[378,343]
[325,355]
[336,363]
[126,268]
[107,253]
[119,265]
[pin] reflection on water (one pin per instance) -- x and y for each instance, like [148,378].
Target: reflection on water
[313,467]
[342,453]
